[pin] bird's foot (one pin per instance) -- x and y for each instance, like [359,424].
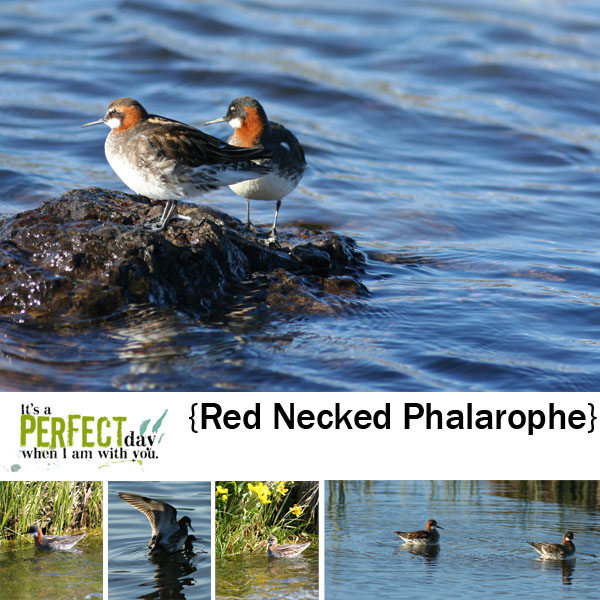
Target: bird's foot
[272,241]
[153,227]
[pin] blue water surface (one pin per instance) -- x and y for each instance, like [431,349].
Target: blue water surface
[483,550]
[456,141]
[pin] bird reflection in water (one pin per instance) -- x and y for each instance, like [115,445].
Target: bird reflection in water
[430,552]
[565,567]
[173,573]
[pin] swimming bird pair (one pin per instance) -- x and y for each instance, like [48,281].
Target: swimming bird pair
[431,537]
[276,550]
[54,542]
[168,533]
[165,159]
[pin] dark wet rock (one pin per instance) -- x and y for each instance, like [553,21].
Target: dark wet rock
[85,255]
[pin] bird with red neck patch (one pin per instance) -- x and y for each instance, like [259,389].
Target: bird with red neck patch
[424,537]
[277,550]
[550,551]
[164,159]
[287,162]
[54,542]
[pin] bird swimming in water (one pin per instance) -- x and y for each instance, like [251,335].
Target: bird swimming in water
[54,542]
[548,550]
[275,550]
[427,537]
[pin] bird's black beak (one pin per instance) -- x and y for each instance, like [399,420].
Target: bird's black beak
[219,120]
[98,122]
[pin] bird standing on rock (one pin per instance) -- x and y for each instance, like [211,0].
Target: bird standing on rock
[164,159]
[287,162]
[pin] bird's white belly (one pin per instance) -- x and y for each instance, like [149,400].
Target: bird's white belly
[145,182]
[268,187]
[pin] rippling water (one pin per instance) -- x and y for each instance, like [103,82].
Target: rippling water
[261,578]
[26,572]
[456,141]
[483,551]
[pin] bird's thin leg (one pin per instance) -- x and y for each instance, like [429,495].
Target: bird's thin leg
[273,232]
[168,211]
[249,225]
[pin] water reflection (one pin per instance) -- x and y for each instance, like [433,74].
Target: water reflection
[564,568]
[257,577]
[426,551]
[586,493]
[26,571]
[288,567]
[172,574]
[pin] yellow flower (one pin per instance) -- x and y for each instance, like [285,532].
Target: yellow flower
[261,491]
[281,488]
[224,497]
[297,510]
[221,490]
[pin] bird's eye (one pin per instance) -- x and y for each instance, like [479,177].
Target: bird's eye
[111,111]
[232,109]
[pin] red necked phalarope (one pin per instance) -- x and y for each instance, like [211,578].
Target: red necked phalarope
[287,163]
[275,550]
[54,542]
[168,534]
[556,551]
[427,537]
[164,159]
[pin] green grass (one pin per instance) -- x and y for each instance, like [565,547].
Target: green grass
[247,512]
[56,506]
